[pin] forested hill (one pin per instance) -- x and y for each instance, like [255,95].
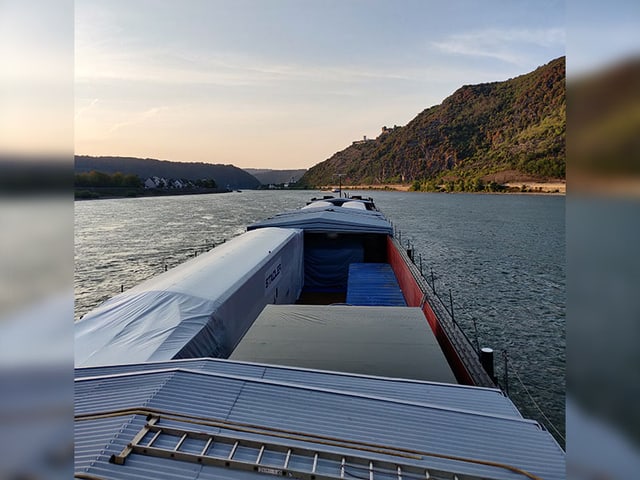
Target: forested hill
[224,175]
[268,176]
[516,126]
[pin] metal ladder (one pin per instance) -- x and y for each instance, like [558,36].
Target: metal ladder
[273,457]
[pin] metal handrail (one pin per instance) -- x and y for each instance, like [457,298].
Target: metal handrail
[461,342]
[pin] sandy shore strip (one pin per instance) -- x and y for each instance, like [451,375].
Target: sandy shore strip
[525,187]
[542,187]
[387,186]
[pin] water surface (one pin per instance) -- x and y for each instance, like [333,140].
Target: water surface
[502,256]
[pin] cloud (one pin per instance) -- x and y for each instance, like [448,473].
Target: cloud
[82,110]
[506,45]
[137,118]
[156,66]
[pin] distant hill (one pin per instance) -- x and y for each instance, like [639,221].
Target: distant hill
[276,177]
[224,175]
[516,126]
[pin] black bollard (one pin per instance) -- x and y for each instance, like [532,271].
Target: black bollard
[486,359]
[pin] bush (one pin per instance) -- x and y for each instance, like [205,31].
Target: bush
[86,195]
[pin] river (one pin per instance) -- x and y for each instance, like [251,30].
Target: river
[502,256]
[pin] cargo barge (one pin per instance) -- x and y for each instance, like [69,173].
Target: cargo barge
[308,347]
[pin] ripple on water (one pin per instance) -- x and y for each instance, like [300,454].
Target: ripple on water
[501,255]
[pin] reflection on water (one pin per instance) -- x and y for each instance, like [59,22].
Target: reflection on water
[503,257]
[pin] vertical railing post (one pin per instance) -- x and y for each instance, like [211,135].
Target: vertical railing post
[433,282]
[475,328]
[506,372]
[451,306]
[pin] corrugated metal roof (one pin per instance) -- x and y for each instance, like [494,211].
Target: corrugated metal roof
[373,284]
[487,400]
[347,415]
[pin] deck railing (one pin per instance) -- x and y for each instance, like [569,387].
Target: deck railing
[453,339]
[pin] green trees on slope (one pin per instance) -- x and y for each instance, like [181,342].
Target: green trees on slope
[518,125]
[100,179]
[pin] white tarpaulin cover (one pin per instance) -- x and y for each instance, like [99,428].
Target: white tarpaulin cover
[201,308]
[329,219]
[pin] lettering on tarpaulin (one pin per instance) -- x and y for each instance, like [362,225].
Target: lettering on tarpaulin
[272,274]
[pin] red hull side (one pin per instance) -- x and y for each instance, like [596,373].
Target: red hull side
[414,296]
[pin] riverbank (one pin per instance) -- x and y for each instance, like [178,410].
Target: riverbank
[548,188]
[537,187]
[387,186]
[117,192]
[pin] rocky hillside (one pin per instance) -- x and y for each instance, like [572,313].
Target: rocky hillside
[515,126]
[224,175]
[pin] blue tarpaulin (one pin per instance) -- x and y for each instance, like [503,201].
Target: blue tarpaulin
[373,284]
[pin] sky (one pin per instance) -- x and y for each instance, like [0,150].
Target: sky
[601,34]
[285,84]
[36,77]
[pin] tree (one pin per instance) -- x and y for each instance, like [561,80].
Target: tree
[99,179]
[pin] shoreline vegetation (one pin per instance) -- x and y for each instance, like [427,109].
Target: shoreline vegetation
[107,193]
[96,185]
[511,188]
[558,187]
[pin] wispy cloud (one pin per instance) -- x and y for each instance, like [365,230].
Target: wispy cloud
[82,110]
[508,45]
[137,118]
[238,70]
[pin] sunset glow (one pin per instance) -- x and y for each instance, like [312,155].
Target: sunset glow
[285,84]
